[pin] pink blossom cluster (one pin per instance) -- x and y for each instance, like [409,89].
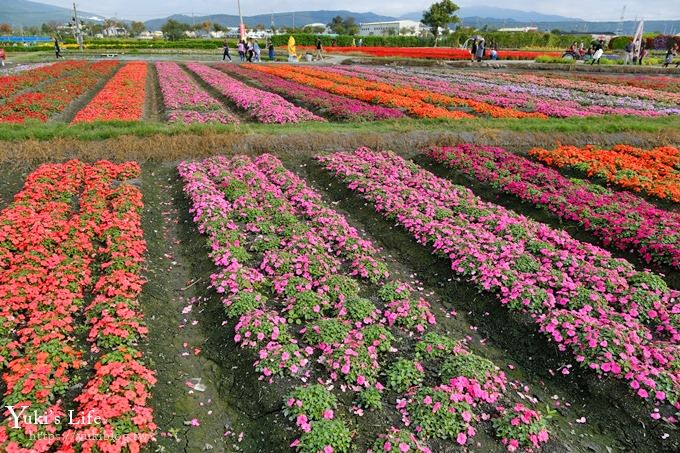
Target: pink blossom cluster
[618,218]
[185,101]
[261,105]
[615,320]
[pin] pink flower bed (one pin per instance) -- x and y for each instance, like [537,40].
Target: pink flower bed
[290,270]
[185,101]
[614,320]
[261,105]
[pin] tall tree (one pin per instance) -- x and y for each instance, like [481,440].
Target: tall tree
[137,28]
[174,30]
[5,29]
[440,15]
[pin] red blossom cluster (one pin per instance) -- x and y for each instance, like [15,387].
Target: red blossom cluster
[71,246]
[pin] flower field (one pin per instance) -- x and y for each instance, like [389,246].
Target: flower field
[60,265]
[443,53]
[283,94]
[208,256]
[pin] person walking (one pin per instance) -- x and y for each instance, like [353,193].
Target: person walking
[629,51]
[241,46]
[226,54]
[249,50]
[598,47]
[473,51]
[57,49]
[271,51]
[643,53]
[256,51]
[672,51]
[480,51]
[319,49]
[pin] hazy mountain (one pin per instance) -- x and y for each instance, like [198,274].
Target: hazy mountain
[26,13]
[492,12]
[297,18]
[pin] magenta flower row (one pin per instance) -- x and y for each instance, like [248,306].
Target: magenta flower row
[261,105]
[618,218]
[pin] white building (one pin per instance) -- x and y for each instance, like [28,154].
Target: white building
[519,29]
[115,31]
[397,27]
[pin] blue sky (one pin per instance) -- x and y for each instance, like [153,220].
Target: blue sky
[585,9]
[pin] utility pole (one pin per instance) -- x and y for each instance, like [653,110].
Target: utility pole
[242,27]
[79,35]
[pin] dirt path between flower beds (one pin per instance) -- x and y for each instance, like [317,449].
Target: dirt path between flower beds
[227,411]
[76,105]
[153,101]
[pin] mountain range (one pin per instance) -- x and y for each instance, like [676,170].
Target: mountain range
[26,12]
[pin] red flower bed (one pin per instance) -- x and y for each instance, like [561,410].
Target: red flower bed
[122,98]
[55,96]
[11,84]
[443,53]
[49,253]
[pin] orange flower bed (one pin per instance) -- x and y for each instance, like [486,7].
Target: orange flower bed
[429,97]
[383,95]
[439,53]
[655,172]
[122,98]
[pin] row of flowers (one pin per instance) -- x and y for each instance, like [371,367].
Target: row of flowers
[261,105]
[442,53]
[385,95]
[337,107]
[46,100]
[121,99]
[590,88]
[12,84]
[550,101]
[416,92]
[611,317]
[620,219]
[67,255]
[290,270]
[655,172]
[185,101]
[423,91]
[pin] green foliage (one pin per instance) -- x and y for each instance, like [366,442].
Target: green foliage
[346,26]
[435,346]
[174,30]
[651,281]
[391,292]
[440,15]
[359,308]
[340,284]
[309,305]
[379,336]
[316,399]
[244,302]
[370,398]
[404,374]
[444,423]
[333,433]
[470,365]
[329,331]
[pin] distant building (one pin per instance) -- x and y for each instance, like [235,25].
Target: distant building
[115,32]
[519,29]
[397,27]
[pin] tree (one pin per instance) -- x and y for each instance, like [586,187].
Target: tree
[407,31]
[137,28]
[347,26]
[174,30]
[5,29]
[440,15]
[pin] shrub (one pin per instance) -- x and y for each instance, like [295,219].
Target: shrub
[470,366]
[404,374]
